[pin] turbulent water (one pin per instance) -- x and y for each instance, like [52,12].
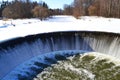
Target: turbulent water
[29,69]
[89,66]
[14,53]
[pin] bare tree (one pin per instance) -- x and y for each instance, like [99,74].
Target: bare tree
[18,9]
[106,8]
[13,10]
[40,12]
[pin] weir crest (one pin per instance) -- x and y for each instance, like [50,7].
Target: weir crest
[16,51]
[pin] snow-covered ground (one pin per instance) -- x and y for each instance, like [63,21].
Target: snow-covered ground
[21,27]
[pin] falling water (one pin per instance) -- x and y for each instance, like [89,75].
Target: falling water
[17,51]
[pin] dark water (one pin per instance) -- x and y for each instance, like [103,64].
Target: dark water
[17,51]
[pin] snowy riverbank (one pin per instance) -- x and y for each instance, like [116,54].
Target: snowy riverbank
[22,27]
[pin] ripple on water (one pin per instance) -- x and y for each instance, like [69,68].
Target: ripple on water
[29,69]
[89,66]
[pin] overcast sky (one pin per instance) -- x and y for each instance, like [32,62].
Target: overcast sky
[53,3]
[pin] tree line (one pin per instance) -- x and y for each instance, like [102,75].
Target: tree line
[27,9]
[105,8]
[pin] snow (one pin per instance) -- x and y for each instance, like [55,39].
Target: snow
[22,27]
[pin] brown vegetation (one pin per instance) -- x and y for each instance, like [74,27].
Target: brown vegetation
[17,9]
[27,9]
[40,12]
[106,8]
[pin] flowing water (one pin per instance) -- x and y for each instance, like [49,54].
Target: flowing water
[88,66]
[14,53]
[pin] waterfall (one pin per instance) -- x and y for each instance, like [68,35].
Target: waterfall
[16,51]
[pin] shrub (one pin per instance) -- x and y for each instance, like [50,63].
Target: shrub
[40,12]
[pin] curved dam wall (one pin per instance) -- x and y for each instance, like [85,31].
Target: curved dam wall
[15,52]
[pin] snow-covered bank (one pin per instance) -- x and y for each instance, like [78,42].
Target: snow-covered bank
[23,27]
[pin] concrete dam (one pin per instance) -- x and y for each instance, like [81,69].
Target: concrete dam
[15,52]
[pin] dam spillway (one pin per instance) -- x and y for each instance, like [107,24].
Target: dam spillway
[16,51]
